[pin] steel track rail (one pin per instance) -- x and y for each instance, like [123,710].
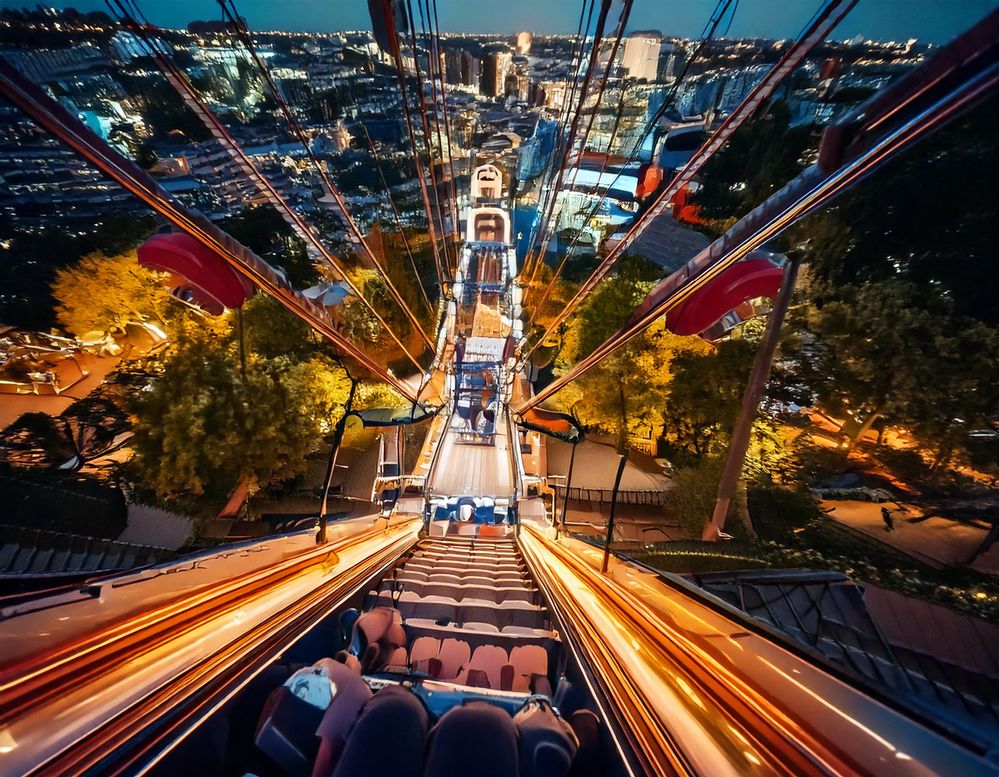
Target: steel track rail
[150,729]
[269,600]
[740,703]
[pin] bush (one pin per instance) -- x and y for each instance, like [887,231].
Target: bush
[906,465]
[810,463]
[777,512]
[691,498]
[689,557]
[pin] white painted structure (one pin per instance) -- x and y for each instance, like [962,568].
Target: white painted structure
[488,225]
[487,183]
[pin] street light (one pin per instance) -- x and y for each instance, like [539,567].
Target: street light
[613,509]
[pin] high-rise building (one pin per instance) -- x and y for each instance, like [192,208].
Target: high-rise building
[518,78]
[670,61]
[495,67]
[471,69]
[641,54]
[452,66]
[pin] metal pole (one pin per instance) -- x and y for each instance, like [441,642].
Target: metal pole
[568,485]
[331,465]
[739,444]
[610,521]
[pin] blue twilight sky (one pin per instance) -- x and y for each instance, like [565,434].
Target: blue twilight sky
[934,21]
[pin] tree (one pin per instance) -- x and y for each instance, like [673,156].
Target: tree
[267,234]
[272,331]
[690,499]
[887,351]
[703,399]
[105,293]
[29,260]
[202,426]
[922,220]
[623,394]
[759,159]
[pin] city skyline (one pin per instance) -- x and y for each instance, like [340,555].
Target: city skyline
[393,402]
[924,20]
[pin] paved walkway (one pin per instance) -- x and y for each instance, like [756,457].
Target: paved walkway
[934,541]
[465,469]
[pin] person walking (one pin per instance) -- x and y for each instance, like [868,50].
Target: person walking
[888,518]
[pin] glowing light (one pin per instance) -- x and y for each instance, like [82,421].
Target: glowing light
[7,743]
[688,691]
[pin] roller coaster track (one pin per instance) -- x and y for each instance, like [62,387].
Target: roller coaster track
[142,679]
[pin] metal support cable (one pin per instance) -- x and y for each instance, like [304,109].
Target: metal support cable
[568,99]
[437,85]
[566,150]
[231,14]
[434,77]
[192,99]
[817,30]
[160,53]
[622,22]
[360,244]
[810,191]
[401,73]
[450,264]
[398,219]
[710,28]
[56,120]
[567,140]
[537,309]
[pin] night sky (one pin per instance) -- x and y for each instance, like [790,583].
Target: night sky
[934,21]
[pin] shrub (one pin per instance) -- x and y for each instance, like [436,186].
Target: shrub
[906,465]
[691,498]
[810,463]
[777,512]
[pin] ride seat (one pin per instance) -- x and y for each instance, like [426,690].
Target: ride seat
[486,663]
[388,738]
[378,639]
[529,662]
[474,740]
[441,659]
[547,743]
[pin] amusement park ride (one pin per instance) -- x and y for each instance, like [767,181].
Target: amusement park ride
[460,630]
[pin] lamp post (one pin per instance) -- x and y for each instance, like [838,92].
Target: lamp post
[331,464]
[568,485]
[610,520]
